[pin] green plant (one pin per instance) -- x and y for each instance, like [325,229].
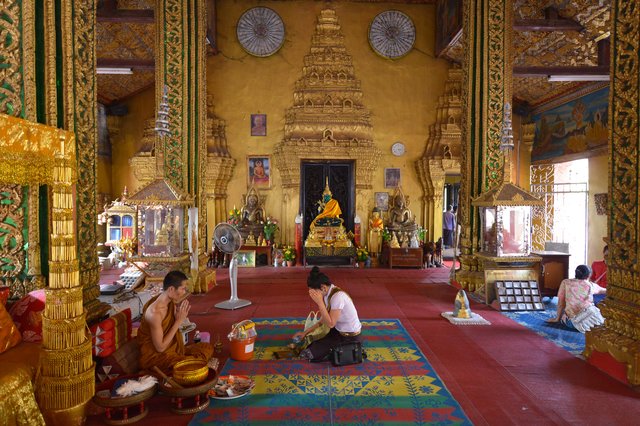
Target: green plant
[289,253]
[362,254]
[270,228]
[386,235]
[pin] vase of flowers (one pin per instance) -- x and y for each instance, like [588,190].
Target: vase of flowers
[362,255]
[289,255]
[235,217]
[270,228]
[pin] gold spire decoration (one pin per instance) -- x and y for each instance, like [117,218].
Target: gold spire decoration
[327,190]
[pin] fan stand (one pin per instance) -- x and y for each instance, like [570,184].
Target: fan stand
[233,302]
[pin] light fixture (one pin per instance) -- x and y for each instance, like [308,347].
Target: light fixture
[595,77]
[113,70]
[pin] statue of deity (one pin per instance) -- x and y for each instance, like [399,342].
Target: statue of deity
[375,231]
[394,241]
[400,217]
[330,209]
[251,240]
[252,212]
[162,235]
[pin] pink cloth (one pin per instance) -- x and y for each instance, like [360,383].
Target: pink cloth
[578,295]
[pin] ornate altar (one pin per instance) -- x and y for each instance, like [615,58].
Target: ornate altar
[120,218]
[161,229]
[328,241]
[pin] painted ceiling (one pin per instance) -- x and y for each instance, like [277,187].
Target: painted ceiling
[119,41]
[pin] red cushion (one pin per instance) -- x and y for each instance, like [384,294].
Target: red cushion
[112,333]
[27,315]
[122,362]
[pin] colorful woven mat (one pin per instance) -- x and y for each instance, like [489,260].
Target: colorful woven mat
[394,385]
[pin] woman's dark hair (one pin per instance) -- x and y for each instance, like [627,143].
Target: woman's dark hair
[317,278]
[583,272]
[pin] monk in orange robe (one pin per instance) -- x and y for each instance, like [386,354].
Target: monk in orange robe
[161,344]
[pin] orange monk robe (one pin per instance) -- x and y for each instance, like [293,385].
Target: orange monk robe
[176,351]
[331,209]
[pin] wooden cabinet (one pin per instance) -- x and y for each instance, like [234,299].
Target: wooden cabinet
[553,269]
[411,257]
[260,250]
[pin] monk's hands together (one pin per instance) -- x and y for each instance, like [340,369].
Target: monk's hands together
[182,311]
[317,296]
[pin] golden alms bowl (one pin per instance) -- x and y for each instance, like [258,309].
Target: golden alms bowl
[190,372]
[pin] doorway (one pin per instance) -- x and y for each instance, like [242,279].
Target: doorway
[313,177]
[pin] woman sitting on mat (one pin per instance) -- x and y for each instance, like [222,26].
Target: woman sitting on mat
[337,313]
[575,302]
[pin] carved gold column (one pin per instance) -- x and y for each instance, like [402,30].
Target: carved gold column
[20,268]
[486,86]
[620,336]
[542,178]
[78,21]
[180,69]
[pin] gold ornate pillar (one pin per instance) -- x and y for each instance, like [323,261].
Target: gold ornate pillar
[542,178]
[619,338]
[78,21]
[20,268]
[181,70]
[486,87]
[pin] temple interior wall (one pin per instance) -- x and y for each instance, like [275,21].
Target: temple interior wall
[402,95]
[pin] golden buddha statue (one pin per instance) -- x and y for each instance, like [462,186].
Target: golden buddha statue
[251,240]
[327,230]
[394,241]
[162,236]
[376,226]
[330,208]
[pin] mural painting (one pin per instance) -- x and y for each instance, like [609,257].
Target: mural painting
[575,127]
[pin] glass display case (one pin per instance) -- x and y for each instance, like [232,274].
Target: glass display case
[506,230]
[161,231]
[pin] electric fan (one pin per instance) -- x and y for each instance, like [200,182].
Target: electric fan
[228,240]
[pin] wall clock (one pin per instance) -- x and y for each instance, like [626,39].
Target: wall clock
[397,149]
[392,34]
[260,31]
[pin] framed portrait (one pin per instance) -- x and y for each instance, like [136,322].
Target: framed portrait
[382,201]
[246,258]
[391,177]
[258,124]
[259,171]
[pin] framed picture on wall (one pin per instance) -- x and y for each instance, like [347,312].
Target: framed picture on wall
[259,171]
[258,124]
[246,258]
[382,201]
[391,177]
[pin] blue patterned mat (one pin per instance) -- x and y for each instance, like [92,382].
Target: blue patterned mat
[567,338]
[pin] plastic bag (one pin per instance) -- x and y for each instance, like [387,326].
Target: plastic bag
[322,330]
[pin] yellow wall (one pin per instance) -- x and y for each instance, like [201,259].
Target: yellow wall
[141,107]
[598,183]
[401,95]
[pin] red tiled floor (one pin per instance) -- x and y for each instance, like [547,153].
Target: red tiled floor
[500,374]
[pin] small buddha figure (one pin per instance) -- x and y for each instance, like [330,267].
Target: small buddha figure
[330,207]
[394,241]
[461,306]
[375,231]
[251,239]
[162,235]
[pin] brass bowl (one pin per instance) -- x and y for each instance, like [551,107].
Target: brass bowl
[190,372]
